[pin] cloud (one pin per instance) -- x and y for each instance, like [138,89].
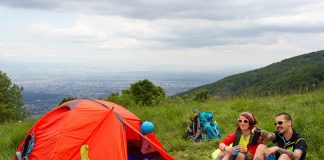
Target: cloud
[114,32]
[169,9]
[302,20]
[78,33]
[165,34]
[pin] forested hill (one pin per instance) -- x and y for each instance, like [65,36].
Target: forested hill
[297,74]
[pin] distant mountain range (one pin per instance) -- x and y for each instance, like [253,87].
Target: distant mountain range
[297,74]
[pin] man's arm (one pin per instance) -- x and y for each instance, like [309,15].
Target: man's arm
[298,153]
[268,135]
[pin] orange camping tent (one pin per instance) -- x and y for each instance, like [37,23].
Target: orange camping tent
[86,129]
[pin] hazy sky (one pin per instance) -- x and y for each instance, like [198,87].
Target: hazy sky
[126,35]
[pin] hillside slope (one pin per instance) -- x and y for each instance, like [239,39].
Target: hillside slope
[172,118]
[297,74]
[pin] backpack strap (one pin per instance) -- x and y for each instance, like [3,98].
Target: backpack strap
[198,133]
[238,134]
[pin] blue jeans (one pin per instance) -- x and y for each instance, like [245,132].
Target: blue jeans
[271,157]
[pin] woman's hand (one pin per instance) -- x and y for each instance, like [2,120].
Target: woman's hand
[242,150]
[253,129]
[229,149]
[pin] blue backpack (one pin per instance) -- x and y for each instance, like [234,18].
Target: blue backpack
[208,124]
[202,127]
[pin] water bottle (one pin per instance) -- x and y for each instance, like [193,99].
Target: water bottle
[236,151]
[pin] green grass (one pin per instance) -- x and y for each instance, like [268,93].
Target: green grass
[171,120]
[11,134]
[172,117]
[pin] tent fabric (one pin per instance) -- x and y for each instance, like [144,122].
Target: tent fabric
[104,127]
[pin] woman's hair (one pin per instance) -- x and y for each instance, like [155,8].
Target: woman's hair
[249,116]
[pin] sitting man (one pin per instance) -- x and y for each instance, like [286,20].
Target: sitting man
[290,144]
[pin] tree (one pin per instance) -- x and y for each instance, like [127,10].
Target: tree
[201,95]
[142,92]
[124,99]
[66,100]
[146,93]
[11,100]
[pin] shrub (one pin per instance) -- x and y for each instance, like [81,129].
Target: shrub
[146,93]
[201,95]
[66,100]
[11,100]
[142,92]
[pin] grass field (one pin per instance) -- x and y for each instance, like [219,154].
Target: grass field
[10,136]
[172,117]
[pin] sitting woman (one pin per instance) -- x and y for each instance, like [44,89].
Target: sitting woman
[245,139]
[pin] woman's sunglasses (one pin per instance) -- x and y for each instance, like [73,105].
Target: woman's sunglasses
[280,122]
[241,121]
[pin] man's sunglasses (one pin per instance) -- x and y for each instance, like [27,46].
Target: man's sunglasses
[280,122]
[245,121]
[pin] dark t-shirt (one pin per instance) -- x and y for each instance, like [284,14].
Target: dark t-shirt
[295,142]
